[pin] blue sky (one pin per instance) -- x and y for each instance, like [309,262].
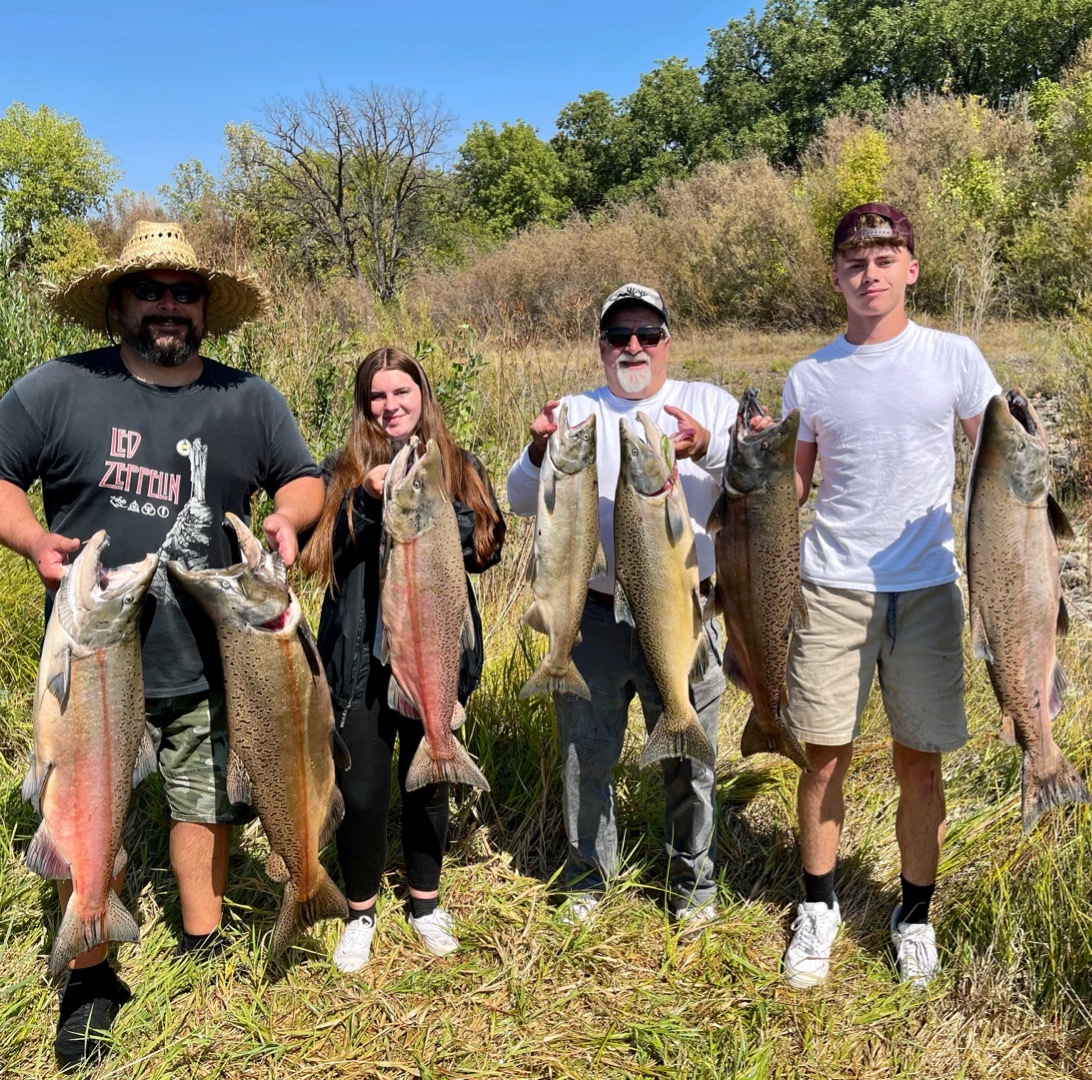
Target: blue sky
[156,82]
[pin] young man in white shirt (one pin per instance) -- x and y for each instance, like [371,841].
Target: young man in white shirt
[634,345]
[877,410]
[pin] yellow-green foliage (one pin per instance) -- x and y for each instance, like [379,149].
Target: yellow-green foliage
[848,168]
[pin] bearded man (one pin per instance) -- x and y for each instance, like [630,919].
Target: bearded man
[154,442]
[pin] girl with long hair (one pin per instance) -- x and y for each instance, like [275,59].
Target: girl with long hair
[392,401]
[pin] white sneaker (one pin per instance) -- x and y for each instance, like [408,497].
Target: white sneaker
[579,908]
[693,919]
[435,931]
[915,950]
[355,946]
[807,959]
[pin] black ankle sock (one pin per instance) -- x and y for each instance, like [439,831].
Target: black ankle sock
[819,888]
[365,915]
[201,943]
[915,901]
[419,908]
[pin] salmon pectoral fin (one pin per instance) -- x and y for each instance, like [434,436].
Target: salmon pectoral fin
[1048,786]
[458,769]
[757,739]
[59,678]
[76,935]
[146,763]
[676,521]
[34,781]
[295,916]
[339,751]
[569,681]
[1058,684]
[532,617]
[718,515]
[400,701]
[45,859]
[334,814]
[238,782]
[688,741]
[1059,523]
[276,868]
[310,649]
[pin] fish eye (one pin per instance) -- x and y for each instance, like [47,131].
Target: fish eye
[224,584]
[128,598]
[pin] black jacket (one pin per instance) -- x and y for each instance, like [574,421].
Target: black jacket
[347,626]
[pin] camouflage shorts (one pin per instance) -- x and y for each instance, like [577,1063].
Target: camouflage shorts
[189,733]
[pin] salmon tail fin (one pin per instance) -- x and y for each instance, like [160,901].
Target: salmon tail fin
[458,769]
[334,814]
[1045,789]
[532,617]
[688,742]
[1058,685]
[295,916]
[76,935]
[546,681]
[757,739]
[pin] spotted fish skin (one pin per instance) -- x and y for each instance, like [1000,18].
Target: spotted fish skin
[1016,605]
[657,587]
[91,746]
[567,553]
[757,525]
[282,743]
[426,614]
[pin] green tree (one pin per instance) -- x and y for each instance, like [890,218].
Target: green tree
[589,146]
[511,178]
[49,171]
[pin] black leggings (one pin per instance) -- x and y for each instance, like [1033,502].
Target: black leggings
[369,733]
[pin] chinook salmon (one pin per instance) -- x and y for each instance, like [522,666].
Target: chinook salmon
[657,588]
[567,553]
[90,745]
[426,614]
[757,525]
[281,737]
[1015,594]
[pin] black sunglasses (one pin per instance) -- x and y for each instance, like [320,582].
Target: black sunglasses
[647,336]
[184,292]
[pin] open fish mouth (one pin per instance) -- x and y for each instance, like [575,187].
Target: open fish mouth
[1020,410]
[280,622]
[749,408]
[669,483]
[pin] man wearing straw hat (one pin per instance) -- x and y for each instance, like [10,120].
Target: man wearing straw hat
[154,442]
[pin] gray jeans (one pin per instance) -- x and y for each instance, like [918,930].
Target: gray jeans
[590,735]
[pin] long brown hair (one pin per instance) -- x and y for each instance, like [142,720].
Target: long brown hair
[368,445]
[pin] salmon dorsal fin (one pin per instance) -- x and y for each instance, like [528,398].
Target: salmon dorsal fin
[1059,523]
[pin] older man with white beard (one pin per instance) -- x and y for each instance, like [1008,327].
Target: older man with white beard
[634,345]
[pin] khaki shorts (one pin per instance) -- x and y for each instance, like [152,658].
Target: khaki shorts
[189,733]
[913,639]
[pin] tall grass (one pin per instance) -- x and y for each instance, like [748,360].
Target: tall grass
[526,995]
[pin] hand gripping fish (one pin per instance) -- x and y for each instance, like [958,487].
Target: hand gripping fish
[756,522]
[567,553]
[657,587]
[281,737]
[1015,594]
[426,614]
[90,744]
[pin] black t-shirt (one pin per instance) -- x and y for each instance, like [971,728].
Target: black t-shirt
[156,467]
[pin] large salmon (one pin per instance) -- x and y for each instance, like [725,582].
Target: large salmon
[281,737]
[90,744]
[657,588]
[567,553]
[757,526]
[426,614]
[1015,594]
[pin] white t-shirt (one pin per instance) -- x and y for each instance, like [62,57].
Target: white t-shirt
[711,406]
[882,417]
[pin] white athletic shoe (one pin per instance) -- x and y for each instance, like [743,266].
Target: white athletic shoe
[807,959]
[355,946]
[435,931]
[694,919]
[579,908]
[915,950]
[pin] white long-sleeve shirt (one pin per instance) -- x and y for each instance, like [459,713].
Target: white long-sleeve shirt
[714,408]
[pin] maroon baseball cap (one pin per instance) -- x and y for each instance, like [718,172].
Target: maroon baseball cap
[875,221]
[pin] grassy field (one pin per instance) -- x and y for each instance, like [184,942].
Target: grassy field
[527,996]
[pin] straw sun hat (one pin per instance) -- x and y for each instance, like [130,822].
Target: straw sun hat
[161,245]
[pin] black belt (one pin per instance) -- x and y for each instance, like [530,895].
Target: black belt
[606,600]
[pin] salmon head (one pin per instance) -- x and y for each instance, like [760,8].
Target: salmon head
[758,459]
[572,449]
[414,493]
[648,463]
[1012,444]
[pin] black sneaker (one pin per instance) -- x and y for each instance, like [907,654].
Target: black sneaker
[89,1004]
